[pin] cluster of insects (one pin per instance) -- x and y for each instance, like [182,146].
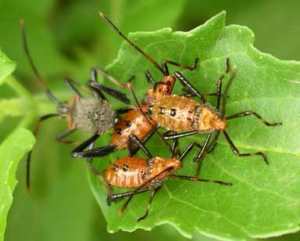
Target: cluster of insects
[179,115]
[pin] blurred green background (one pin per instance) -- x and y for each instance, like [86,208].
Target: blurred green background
[66,38]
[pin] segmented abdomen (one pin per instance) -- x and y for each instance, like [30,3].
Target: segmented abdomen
[179,113]
[174,112]
[126,172]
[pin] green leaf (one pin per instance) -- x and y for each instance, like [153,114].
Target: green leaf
[11,152]
[6,67]
[264,201]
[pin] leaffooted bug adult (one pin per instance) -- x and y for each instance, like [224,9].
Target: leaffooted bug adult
[145,174]
[90,114]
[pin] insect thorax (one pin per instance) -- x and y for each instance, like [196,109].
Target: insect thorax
[92,115]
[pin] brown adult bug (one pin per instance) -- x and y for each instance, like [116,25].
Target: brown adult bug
[145,174]
[93,114]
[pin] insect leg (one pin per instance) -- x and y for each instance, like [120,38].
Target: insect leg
[179,135]
[123,110]
[187,84]
[64,134]
[94,80]
[133,151]
[196,179]
[133,138]
[201,152]
[71,84]
[175,147]
[96,152]
[250,112]
[153,192]
[115,197]
[36,130]
[114,93]
[149,78]
[213,143]
[237,153]
[97,174]
[166,62]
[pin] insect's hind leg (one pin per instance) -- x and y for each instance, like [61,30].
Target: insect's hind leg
[237,153]
[251,112]
[97,174]
[170,62]
[79,152]
[61,136]
[153,192]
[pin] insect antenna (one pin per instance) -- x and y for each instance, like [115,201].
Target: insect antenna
[33,66]
[225,93]
[102,15]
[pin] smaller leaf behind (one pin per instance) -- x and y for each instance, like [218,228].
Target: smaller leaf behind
[11,152]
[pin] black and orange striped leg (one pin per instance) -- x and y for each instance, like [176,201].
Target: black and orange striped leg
[153,192]
[196,179]
[251,112]
[149,78]
[99,88]
[134,150]
[133,139]
[170,62]
[201,153]
[189,86]
[237,153]
[117,196]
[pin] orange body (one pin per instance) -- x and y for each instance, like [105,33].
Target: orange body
[179,113]
[134,123]
[164,87]
[133,172]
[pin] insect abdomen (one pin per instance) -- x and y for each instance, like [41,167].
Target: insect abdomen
[174,112]
[126,172]
[179,113]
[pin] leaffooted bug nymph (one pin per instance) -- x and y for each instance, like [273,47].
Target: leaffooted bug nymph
[90,114]
[145,175]
[178,113]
